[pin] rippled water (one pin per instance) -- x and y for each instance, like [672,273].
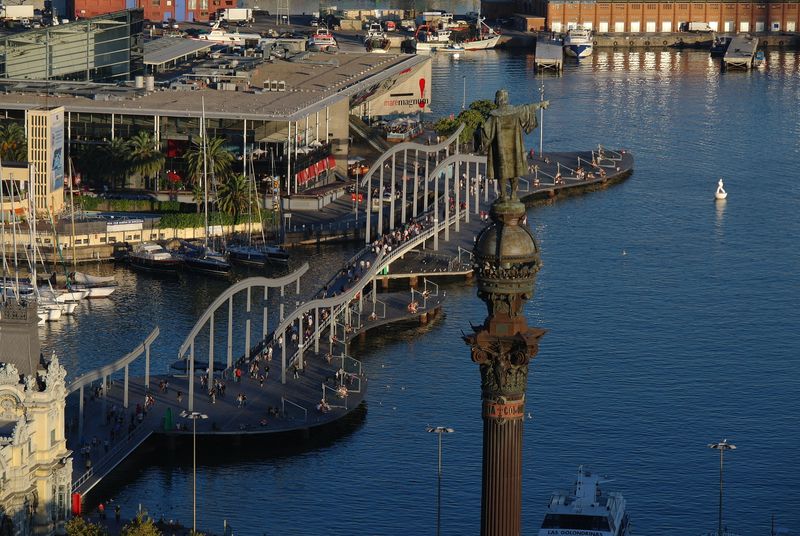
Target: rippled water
[672,323]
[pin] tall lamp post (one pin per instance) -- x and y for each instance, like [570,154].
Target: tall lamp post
[439,430]
[541,120]
[722,446]
[194,415]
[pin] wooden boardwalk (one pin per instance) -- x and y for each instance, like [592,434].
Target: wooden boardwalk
[549,56]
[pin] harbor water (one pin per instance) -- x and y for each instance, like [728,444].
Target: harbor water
[672,323]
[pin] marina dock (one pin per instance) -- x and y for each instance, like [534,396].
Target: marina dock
[549,56]
[741,52]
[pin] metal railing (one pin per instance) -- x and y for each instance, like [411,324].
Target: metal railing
[285,401]
[340,393]
[111,459]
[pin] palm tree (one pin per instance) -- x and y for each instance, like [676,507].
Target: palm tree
[118,161]
[145,158]
[233,197]
[219,160]
[198,195]
[13,145]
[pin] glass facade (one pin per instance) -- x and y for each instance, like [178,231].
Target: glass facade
[107,48]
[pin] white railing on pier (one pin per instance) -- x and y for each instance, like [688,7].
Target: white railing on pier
[285,401]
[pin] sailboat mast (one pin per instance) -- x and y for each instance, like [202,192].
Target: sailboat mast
[32,223]
[72,213]
[203,134]
[3,230]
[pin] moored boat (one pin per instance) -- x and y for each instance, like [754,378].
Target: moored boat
[153,258]
[257,255]
[578,43]
[204,260]
[377,45]
[586,509]
[322,40]
[487,38]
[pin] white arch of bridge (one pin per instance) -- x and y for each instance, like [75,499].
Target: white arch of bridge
[227,297]
[378,169]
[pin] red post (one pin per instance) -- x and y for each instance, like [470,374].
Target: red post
[76,504]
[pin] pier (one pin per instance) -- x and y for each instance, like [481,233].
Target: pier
[290,372]
[741,52]
[549,55]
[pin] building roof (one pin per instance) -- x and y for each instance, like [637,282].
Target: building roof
[19,336]
[313,82]
[157,52]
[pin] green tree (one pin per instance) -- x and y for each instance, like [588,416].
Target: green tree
[13,145]
[233,197]
[219,160]
[471,119]
[145,158]
[198,195]
[118,161]
[141,525]
[77,526]
[484,106]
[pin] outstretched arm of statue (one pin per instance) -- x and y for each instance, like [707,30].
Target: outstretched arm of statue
[528,114]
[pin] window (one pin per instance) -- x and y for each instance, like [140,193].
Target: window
[744,26]
[112,239]
[619,26]
[635,26]
[776,26]
[52,438]
[666,26]
[136,237]
[603,26]
[575,522]
[102,239]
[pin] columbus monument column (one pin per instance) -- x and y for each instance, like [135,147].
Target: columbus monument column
[506,260]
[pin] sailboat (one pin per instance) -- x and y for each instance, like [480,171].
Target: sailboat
[203,259]
[252,254]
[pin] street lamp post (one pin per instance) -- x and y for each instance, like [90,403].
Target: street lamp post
[439,430]
[541,120]
[194,415]
[722,446]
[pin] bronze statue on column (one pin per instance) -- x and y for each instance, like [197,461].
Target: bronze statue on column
[506,260]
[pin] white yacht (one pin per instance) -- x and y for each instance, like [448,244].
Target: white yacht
[322,40]
[586,510]
[220,35]
[578,42]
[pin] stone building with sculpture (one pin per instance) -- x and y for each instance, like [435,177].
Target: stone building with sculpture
[35,465]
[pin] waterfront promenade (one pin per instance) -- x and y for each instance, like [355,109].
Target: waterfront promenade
[321,383]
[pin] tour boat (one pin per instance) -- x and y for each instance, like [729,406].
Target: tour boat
[257,255]
[153,258]
[586,510]
[322,39]
[403,129]
[720,194]
[578,43]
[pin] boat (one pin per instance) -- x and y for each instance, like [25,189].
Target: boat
[95,286]
[586,509]
[377,45]
[720,194]
[374,31]
[427,38]
[760,60]
[220,35]
[322,40]
[257,255]
[204,260]
[487,38]
[719,46]
[152,257]
[578,42]
[403,128]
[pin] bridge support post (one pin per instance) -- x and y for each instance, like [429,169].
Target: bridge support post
[247,327]
[436,213]
[146,367]
[405,187]
[467,182]
[300,363]
[191,377]
[316,330]
[125,389]
[457,188]
[283,362]
[485,189]
[283,293]
[80,416]
[265,321]
[368,231]
[447,205]
[477,189]
[230,332]
[297,286]
[374,293]
[425,183]
[415,190]
[391,201]
[380,206]
[211,350]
